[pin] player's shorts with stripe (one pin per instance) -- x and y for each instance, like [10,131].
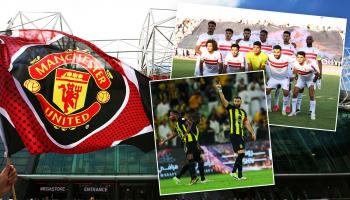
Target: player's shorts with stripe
[301,83]
[273,83]
[237,142]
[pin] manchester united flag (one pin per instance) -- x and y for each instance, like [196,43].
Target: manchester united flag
[59,93]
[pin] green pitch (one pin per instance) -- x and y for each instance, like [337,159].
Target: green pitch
[326,100]
[326,107]
[183,67]
[217,182]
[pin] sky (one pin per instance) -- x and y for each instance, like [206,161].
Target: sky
[329,8]
[111,19]
[124,18]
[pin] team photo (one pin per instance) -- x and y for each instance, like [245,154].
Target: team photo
[212,133]
[301,61]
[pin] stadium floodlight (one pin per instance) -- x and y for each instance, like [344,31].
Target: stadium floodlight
[157,43]
[344,103]
[39,20]
[151,53]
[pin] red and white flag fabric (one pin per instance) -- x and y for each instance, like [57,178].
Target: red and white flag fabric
[60,93]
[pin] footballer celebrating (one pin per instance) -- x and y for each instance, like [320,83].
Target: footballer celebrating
[188,133]
[238,120]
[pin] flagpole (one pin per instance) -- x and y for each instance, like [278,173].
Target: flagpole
[8,162]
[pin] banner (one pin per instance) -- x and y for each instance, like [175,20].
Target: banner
[218,158]
[62,94]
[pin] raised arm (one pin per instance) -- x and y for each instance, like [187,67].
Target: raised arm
[221,95]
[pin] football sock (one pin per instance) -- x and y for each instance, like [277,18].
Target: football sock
[238,164]
[183,170]
[313,106]
[285,102]
[277,96]
[300,98]
[201,169]
[294,104]
[192,170]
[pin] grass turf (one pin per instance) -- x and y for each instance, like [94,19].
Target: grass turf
[326,107]
[326,100]
[217,182]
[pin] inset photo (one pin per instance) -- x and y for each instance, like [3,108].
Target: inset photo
[300,54]
[212,133]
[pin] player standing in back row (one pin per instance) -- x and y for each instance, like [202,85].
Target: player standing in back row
[225,43]
[266,44]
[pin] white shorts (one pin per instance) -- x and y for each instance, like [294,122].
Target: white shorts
[273,83]
[302,83]
[205,73]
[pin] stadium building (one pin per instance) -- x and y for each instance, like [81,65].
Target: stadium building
[121,172]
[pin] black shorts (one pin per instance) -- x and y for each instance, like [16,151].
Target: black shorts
[237,142]
[195,150]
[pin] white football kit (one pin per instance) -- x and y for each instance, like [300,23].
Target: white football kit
[278,72]
[202,40]
[225,46]
[234,64]
[305,74]
[211,62]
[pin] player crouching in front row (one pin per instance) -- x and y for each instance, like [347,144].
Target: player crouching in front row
[306,75]
[211,60]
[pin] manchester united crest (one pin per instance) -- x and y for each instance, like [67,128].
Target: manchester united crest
[67,108]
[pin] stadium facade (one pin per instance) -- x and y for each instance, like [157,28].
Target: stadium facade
[121,172]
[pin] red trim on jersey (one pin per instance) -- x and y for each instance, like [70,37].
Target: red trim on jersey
[276,63]
[287,51]
[266,47]
[211,62]
[278,66]
[245,49]
[314,54]
[303,73]
[234,64]
[223,48]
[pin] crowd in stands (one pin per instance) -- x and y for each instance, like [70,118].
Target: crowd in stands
[197,99]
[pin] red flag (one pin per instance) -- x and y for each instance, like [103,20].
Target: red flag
[63,94]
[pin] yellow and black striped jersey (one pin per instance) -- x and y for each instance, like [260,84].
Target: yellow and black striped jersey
[185,135]
[237,117]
